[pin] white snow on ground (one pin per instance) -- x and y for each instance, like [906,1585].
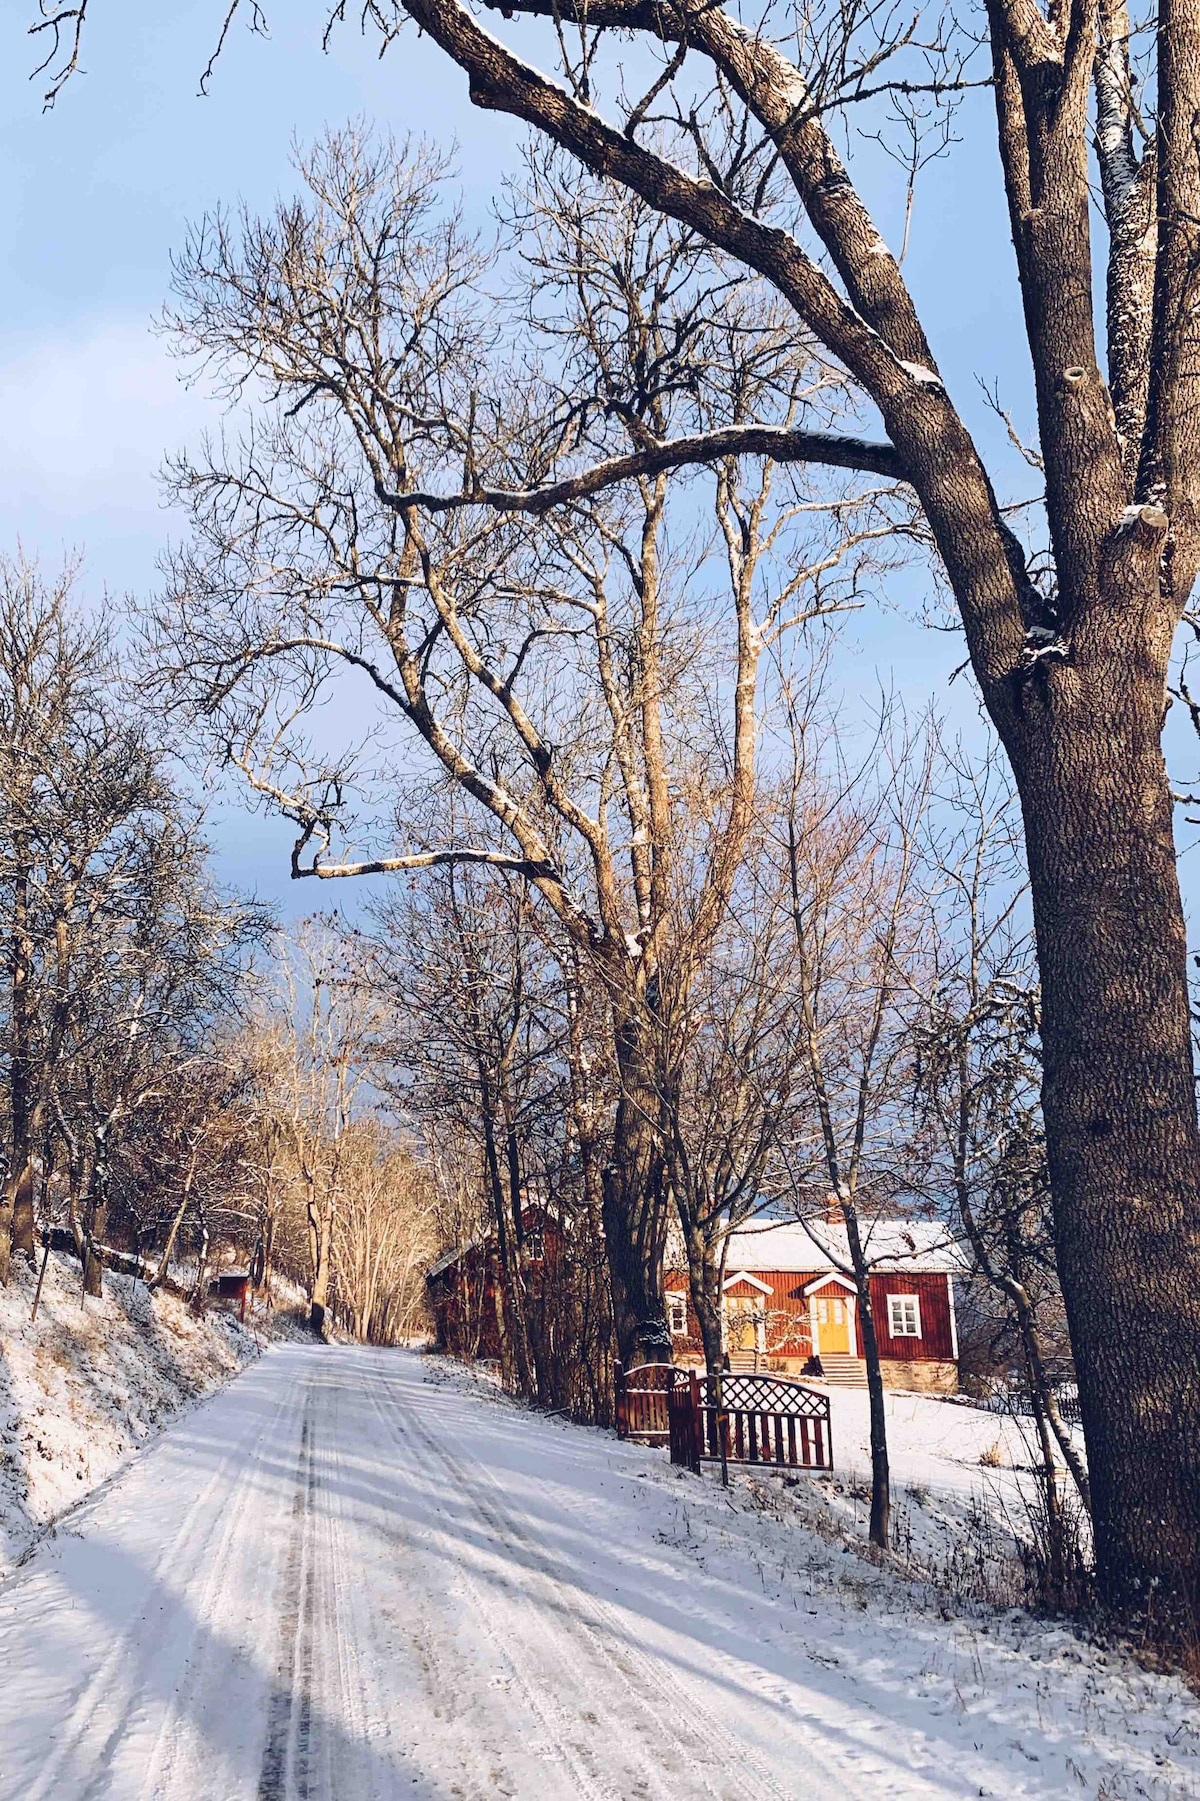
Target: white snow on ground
[89,1382]
[961,1485]
[344,1579]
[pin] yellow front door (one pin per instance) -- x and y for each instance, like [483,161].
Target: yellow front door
[833,1324]
[742,1326]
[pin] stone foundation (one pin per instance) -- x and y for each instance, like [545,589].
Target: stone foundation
[926,1375]
[930,1376]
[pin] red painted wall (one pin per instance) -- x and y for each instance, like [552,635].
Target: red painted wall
[788,1316]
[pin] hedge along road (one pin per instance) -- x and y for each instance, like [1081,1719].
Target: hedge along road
[344,1579]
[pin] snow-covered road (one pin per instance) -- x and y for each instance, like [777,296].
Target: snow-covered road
[341,1581]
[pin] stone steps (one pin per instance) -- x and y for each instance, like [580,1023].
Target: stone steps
[843,1371]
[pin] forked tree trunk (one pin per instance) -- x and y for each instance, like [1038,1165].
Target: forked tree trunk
[1120,1110]
[704,1281]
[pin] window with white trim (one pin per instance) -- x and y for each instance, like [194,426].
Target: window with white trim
[904,1316]
[677,1315]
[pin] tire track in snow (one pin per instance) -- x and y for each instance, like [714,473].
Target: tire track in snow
[589,1783]
[287,1749]
[107,1701]
[700,1741]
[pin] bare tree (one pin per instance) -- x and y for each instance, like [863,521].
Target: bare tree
[849,842]
[478,1038]
[52,744]
[551,671]
[119,947]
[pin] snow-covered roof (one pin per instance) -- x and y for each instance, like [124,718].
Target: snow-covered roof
[453,1255]
[919,1244]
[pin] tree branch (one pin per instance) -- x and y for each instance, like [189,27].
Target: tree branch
[776,442]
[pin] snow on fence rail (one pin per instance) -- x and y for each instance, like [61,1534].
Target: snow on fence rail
[764,1420]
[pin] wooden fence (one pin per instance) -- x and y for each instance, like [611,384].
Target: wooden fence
[769,1421]
[641,1401]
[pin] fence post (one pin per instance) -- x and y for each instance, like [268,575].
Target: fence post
[620,1414]
[697,1425]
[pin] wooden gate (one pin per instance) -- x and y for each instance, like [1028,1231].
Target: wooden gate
[764,1420]
[641,1401]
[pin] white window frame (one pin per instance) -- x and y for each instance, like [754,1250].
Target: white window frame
[677,1312]
[898,1305]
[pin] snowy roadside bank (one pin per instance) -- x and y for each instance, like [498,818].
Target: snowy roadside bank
[971,1698]
[88,1384]
[961,1478]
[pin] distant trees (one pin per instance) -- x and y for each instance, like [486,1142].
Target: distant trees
[348,1211]
[499,1047]
[120,953]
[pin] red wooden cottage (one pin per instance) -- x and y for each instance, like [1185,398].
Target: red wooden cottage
[461,1284]
[788,1304]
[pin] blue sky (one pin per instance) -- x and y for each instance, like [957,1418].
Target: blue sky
[100,190]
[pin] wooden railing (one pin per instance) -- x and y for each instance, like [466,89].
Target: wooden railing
[641,1401]
[764,1420]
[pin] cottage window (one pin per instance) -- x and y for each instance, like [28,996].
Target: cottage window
[904,1316]
[677,1315]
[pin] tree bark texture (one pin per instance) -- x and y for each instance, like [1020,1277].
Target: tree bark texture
[704,1282]
[635,1207]
[93,1256]
[1120,1108]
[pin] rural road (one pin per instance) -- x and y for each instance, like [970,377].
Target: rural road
[342,1580]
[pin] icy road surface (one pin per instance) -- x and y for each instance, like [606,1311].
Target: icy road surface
[342,1581]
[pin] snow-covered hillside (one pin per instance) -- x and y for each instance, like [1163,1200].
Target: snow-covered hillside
[89,1382]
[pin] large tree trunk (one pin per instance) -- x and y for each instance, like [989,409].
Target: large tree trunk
[635,1209]
[1120,1108]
